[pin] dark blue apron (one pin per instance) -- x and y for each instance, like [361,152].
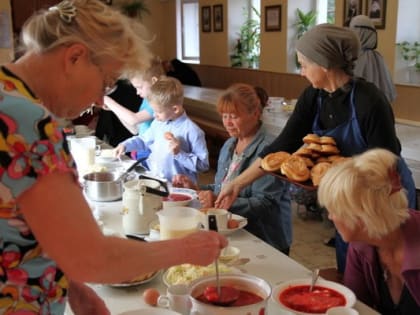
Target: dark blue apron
[350,142]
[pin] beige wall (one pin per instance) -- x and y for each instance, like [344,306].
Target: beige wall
[6,54]
[274,44]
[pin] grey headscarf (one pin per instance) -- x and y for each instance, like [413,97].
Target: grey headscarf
[330,46]
[370,65]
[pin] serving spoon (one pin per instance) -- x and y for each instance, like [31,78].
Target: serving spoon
[315,276]
[219,295]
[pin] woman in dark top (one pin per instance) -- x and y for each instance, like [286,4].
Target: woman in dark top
[353,111]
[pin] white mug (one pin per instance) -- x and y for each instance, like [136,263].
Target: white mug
[177,298]
[222,217]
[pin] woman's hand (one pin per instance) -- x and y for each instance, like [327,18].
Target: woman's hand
[183,181]
[84,301]
[227,196]
[207,198]
[207,243]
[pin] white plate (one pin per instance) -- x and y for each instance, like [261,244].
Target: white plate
[150,311]
[242,223]
[132,284]
[348,294]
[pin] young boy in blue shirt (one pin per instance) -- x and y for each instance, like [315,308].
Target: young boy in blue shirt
[177,144]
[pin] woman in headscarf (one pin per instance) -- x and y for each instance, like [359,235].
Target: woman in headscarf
[370,64]
[352,111]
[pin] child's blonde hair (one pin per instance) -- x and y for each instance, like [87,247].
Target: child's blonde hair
[153,72]
[166,92]
[366,188]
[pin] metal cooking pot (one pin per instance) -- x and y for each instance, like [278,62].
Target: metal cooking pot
[103,186]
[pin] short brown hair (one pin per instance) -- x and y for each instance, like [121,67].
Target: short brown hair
[240,97]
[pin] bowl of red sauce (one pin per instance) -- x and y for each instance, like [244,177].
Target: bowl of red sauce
[253,296]
[176,199]
[294,296]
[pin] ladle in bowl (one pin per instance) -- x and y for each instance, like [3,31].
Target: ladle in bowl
[315,276]
[219,295]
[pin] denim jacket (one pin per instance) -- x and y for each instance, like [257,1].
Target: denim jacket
[265,203]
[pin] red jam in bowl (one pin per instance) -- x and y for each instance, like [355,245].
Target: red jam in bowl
[177,197]
[318,301]
[245,298]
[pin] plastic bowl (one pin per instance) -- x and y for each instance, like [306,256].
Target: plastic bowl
[176,199]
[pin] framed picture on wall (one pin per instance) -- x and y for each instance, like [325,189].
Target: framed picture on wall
[205,19]
[218,18]
[273,18]
[351,9]
[376,11]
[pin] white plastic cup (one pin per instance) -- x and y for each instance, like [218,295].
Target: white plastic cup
[177,298]
[342,310]
[177,222]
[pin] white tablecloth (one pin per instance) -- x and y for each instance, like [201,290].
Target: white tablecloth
[266,262]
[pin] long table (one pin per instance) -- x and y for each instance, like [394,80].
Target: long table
[265,262]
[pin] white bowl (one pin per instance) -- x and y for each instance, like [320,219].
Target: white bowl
[229,253]
[350,298]
[172,200]
[243,282]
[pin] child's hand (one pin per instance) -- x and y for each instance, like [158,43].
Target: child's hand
[206,198]
[119,150]
[183,181]
[174,143]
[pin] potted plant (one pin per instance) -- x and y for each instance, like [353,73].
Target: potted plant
[410,52]
[135,8]
[304,22]
[247,49]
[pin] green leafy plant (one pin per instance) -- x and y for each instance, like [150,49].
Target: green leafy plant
[410,52]
[247,49]
[135,8]
[304,21]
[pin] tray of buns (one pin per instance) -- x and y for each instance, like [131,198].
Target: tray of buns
[307,165]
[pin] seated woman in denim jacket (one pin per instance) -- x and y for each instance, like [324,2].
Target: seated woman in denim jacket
[265,202]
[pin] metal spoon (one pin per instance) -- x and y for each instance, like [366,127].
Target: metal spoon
[315,276]
[225,295]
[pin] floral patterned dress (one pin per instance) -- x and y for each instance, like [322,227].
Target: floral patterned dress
[31,145]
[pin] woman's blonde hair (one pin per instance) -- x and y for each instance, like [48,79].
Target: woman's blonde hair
[366,189]
[166,92]
[105,31]
[241,97]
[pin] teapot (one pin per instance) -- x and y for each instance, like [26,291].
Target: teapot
[141,199]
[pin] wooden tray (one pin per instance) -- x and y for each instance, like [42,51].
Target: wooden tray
[307,185]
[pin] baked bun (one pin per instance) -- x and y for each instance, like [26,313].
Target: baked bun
[295,169]
[304,151]
[272,161]
[168,135]
[329,149]
[315,147]
[311,138]
[318,171]
[327,140]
